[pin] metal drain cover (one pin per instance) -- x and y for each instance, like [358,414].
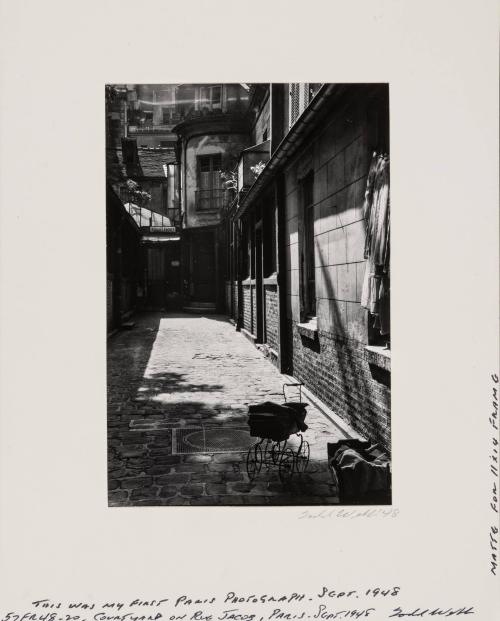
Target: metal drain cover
[211,440]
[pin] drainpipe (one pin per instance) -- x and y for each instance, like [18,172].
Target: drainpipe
[126,119]
[276,105]
[239,287]
[181,158]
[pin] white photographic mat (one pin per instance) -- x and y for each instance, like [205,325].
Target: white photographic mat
[434,548]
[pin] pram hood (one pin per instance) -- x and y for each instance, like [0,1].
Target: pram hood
[276,421]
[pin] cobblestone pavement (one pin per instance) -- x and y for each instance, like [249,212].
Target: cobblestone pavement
[175,372]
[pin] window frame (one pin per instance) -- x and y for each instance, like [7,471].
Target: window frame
[307,255]
[209,196]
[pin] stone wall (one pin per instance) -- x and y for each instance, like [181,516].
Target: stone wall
[272,317]
[333,363]
[247,308]
[234,310]
[336,369]
[229,146]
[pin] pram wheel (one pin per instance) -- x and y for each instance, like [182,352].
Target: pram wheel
[254,461]
[286,465]
[267,455]
[277,452]
[302,457]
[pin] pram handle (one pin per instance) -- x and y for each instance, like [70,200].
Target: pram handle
[294,384]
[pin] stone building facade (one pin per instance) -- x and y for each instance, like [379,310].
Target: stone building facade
[211,136]
[299,246]
[142,171]
[272,225]
[124,261]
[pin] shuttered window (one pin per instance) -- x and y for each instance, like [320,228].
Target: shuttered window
[210,167]
[210,192]
[300,94]
[294,103]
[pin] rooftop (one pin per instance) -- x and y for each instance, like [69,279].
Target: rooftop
[149,163]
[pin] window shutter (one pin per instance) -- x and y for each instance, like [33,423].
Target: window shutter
[299,100]
[294,106]
[302,97]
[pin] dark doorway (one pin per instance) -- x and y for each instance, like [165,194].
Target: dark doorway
[203,266]
[163,278]
[155,278]
[173,275]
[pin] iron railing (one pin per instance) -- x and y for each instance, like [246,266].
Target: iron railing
[150,129]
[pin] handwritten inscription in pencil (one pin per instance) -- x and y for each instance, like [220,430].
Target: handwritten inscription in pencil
[494,468]
[325,604]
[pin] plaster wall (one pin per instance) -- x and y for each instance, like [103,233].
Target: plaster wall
[229,146]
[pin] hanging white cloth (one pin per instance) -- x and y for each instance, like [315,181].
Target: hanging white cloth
[376,211]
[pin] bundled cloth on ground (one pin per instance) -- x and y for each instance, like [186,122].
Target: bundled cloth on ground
[361,472]
[276,421]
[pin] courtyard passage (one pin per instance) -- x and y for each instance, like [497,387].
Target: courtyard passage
[176,380]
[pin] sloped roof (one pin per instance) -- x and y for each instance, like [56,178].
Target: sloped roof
[150,164]
[152,161]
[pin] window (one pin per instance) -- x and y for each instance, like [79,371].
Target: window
[269,240]
[210,192]
[245,251]
[308,267]
[216,96]
[210,97]
[210,163]
[166,115]
[294,103]
[300,94]
[184,98]
[313,88]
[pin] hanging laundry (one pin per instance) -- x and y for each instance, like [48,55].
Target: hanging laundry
[376,209]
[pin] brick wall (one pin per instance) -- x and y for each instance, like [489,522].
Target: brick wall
[235,298]
[252,310]
[247,308]
[335,368]
[272,317]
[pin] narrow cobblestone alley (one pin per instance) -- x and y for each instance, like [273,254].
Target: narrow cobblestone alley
[177,372]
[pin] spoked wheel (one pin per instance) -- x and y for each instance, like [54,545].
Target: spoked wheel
[287,465]
[277,452]
[254,461]
[267,455]
[302,457]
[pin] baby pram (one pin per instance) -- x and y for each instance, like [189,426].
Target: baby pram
[273,424]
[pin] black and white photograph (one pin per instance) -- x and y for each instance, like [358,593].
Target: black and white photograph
[248,294]
[249,336]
